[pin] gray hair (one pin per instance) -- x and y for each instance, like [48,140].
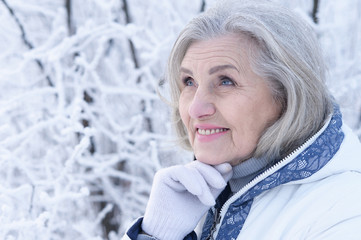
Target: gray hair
[284,51]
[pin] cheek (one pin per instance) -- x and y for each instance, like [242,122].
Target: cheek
[183,109]
[248,126]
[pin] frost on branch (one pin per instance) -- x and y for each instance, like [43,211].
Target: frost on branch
[82,129]
[78,155]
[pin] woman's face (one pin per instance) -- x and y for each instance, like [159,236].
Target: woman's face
[223,104]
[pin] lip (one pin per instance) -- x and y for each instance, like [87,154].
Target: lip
[211,137]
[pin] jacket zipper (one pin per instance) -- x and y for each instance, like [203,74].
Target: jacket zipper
[263,175]
[216,221]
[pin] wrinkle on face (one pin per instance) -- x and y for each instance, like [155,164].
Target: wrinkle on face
[246,108]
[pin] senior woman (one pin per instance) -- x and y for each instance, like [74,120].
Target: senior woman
[274,159]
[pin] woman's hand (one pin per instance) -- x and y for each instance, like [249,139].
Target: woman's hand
[180,196]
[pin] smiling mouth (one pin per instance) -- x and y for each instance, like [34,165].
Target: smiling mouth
[207,132]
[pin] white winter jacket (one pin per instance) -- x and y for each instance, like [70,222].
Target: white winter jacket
[324,204]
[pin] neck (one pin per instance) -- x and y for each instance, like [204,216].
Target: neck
[244,172]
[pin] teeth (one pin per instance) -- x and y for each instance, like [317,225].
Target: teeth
[210,131]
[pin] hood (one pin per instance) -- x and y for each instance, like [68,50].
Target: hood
[346,158]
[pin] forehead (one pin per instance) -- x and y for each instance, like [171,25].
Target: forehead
[230,49]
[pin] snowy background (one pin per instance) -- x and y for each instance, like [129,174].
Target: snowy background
[82,128]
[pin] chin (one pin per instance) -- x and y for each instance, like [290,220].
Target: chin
[210,161]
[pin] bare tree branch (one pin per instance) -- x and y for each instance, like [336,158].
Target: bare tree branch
[23,35]
[128,20]
[31,198]
[131,45]
[26,40]
[203,6]
[69,21]
[86,97]
[315,11]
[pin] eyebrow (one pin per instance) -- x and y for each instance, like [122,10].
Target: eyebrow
[185,70]
[212,70]
[221,67]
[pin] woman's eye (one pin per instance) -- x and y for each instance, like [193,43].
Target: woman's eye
[188,82]
[225,81]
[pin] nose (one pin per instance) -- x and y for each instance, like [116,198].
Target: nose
[202,104]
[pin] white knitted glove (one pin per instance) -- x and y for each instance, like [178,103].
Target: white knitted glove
[180,196]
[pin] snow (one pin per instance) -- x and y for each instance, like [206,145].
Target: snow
[82,128]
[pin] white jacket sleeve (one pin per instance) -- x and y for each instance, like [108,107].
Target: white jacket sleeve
[342,220]
[348,229]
